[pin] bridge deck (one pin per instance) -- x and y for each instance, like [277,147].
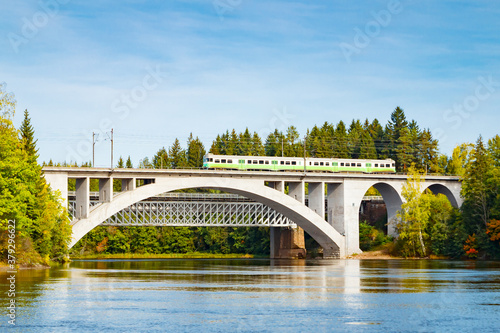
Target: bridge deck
[74,172]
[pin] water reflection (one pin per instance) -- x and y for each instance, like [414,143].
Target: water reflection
[247,295]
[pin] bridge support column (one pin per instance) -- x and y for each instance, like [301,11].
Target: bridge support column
[289,242]
[278,186]
[297,191]
[82,198]
[128,184]
[106,190]
[392,207]
[317,198]
[343,212]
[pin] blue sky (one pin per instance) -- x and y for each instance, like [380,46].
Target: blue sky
[157,70]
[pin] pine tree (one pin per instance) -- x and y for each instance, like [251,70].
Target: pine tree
[195,152]
[216,147]
[342,150]
[394,130]
[177,155]
[292,146]
[257,146]
[354,139]
[120,164]
[160,160]
[128,164]
[476,189]
[27,134]
[367,150]
[245,144]
[274,142]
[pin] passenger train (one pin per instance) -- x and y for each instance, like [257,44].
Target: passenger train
[273,163]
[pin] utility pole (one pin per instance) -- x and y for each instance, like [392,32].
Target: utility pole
[305,139]
[111,149]
[93,149]
[282,145]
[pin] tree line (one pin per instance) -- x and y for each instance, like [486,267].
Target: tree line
[399,139]
[42,230]
[429,225]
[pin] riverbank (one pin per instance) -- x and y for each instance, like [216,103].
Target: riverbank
[379,254]
[4,267]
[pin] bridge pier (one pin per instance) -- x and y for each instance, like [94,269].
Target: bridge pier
[106,189]
[287,243]
[82,188]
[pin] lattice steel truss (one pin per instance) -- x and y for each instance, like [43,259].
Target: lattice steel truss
[195,213]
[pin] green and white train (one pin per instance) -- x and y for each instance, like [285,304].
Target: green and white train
[272,163]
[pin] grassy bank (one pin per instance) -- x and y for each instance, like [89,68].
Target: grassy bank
[195,255]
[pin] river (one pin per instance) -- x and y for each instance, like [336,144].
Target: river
[252,295]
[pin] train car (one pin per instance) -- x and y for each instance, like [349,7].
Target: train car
[274,163]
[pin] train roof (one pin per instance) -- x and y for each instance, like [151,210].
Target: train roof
[293,158]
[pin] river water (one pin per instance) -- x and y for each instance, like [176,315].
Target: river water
[252,295]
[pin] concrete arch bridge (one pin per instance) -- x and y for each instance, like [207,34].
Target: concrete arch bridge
[336,230]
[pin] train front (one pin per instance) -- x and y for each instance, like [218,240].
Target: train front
[207,161]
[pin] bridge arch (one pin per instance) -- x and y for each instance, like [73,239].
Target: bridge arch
[329,238]
[391,193]
[438,188]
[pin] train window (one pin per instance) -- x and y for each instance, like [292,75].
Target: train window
[321,163]
[316,163]
[376,165]
[255,162]
[267,162]
[348,164]
[282,162]
[387,165]
[261,162]
[359,165]
[287,162]
[230,161]
[393,164]
[217,161]
[327,163]
[223,161]
[342,164]
[294,163]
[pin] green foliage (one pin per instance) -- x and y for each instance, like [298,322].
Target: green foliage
[370,237]
[195,152]
[157,240]
[42,226]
